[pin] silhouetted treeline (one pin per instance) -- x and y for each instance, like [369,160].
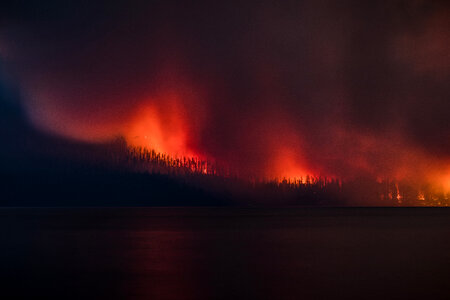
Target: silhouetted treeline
[389,192]
[60,172]
[309,190]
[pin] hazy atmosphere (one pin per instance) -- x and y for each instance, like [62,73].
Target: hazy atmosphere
[190,150]
[332,88]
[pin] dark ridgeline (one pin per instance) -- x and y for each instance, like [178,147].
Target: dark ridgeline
[311,190]
[42,170]
[65,173]
[37,169]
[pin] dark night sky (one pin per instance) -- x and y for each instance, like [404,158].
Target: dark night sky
[273,87]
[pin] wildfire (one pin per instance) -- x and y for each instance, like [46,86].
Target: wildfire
[166,120]
[446,182]
[286,165]
[160,128]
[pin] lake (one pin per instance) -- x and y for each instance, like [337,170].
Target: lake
[225,253]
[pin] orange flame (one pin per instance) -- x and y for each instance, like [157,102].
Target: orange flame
[286,165]
[160,124]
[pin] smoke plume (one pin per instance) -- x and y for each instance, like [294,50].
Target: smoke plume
[335,88]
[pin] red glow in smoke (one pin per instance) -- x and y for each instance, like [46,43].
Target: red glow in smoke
[161,124]
[171,119]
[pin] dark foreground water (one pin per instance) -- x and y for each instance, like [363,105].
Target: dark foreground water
[225,253]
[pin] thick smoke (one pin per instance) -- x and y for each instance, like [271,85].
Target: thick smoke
[274,88]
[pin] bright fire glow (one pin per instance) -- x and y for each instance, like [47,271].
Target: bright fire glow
[160,125]
[286,165]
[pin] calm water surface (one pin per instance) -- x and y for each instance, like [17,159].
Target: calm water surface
[225,253]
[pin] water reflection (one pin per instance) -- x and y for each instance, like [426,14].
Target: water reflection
[207,253]
[163,265]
